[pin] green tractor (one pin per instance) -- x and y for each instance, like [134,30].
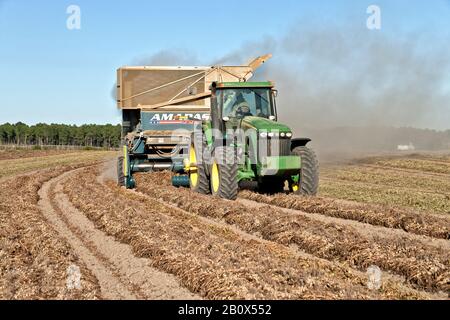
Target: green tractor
[212,127]
[242,141]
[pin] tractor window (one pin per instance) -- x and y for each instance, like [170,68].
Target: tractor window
[239,103]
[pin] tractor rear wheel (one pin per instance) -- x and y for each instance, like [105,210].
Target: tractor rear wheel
[121,180]
[307,182]
[198,177]
[224,173]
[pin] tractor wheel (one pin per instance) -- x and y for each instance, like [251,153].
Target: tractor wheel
[307,181]
[271,185]
[121,180]
[198,177]
[224,170]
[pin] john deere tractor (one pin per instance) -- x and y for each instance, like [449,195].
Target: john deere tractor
[212,127]
[242,141]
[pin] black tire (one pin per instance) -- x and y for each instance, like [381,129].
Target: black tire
[121,180]
[309,173]
[227,168]
[202,182]
[271,185]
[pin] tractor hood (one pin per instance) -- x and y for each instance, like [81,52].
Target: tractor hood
[264,124]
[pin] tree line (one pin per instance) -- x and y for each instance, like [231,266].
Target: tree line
[88,135]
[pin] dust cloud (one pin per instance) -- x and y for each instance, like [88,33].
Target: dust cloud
[350,76]
[355,91]
[350,88]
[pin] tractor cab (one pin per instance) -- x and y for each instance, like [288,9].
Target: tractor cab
[237,100]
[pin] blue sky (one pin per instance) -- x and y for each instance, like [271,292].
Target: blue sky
[52,74]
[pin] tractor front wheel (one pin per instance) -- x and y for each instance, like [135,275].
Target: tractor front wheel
[198,178]
[307,181]
[224,173]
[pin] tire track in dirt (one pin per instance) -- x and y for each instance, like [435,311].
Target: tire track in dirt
[431,225]
[33,257]
[369,230]
[422,265]
[294,249]
[235,264]
[121,275]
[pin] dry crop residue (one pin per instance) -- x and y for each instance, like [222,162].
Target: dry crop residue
[216,260]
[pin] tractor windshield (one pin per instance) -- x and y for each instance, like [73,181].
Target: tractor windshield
[243,102]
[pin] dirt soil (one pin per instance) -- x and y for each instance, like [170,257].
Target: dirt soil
[121,275]
[161,242]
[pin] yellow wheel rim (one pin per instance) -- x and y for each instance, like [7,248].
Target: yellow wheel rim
[193,175]
[125,161]
[295,187]
[215,178]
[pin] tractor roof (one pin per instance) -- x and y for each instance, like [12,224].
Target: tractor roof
[262,84]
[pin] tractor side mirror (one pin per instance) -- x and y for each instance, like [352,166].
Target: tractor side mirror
[275,93]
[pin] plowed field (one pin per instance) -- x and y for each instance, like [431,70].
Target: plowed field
[69,232]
